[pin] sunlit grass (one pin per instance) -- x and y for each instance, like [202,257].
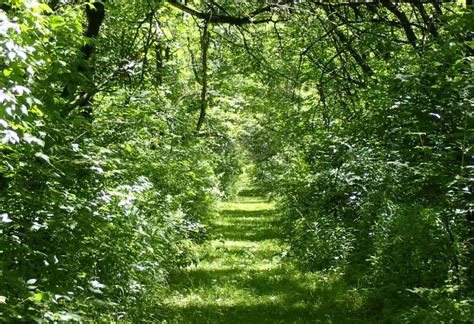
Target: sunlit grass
[254,204]
[243,277]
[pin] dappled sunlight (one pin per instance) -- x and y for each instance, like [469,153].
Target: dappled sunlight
[241,161]
[252,206]
[242,276]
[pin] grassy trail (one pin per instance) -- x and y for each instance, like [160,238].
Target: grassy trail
[242,278]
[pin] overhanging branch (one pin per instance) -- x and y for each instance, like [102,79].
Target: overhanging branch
[226,19]
[403,20]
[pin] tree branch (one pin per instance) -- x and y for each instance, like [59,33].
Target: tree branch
[340,35]
[403,20]
[204,49]
[225,19]
[95,15]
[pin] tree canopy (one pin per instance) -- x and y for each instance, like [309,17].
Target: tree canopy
[124,123]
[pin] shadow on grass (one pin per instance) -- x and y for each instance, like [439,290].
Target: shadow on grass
[247,232]
[240,279]
[250,193]
[261,214]
[255,226]
[264,313]
[282,298]
[260,313]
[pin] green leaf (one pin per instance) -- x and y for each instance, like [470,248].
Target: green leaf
[38,296]
[128,148]
[7,72]
[43,157]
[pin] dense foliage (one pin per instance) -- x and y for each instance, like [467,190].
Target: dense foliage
[123,122]
[375,171]
[95,209]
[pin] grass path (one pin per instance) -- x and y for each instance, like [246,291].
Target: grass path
[242,278]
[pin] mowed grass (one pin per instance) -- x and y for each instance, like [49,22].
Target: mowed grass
[243,277]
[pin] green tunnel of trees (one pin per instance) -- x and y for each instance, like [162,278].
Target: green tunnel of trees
[124,122]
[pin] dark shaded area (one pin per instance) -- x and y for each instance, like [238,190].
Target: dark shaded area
[247,232]
[95,13]
[262,214]
[5,7]
[248,225]
[251,193]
